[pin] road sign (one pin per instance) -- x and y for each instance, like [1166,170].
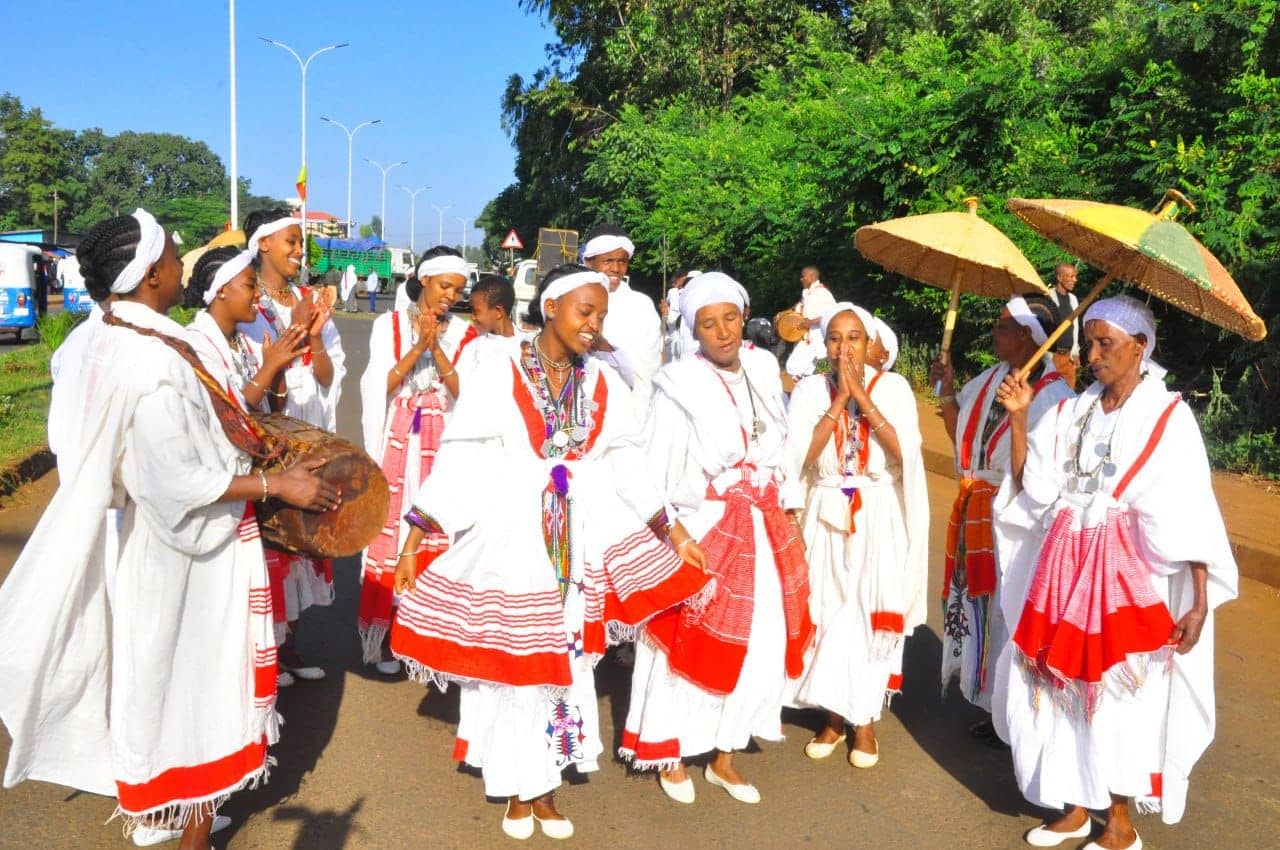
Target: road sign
[512,242]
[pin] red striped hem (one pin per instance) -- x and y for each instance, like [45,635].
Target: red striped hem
[181,785]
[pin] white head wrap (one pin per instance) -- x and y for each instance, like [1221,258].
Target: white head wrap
[226,273]
[709,288]
[270,228]
[150,247]
[1133,317]
[889,340]
[606,243]
[1021,313]
[444,264]
[868,321]
[564,285]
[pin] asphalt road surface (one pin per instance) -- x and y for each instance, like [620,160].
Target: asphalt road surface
[364,762]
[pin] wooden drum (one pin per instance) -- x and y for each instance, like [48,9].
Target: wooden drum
[330,534]
[791,325]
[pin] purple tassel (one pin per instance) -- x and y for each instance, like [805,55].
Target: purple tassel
[849,491]
[417,421]
[560,478]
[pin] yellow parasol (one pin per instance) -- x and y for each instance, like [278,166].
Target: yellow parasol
[1149,250]
[957,251]
[234,238]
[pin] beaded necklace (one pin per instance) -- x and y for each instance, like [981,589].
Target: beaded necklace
[568,417]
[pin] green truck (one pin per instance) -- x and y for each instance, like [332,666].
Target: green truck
[329,258]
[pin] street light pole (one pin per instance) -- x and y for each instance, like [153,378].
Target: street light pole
[413,216]
[441,210]
[382,219]
[235,167]
[351,134]
[464,222]
[303,64]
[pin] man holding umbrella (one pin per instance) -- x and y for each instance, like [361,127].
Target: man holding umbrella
[1066,352]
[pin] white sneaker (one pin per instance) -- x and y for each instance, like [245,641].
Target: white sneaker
[388,668]
[149,836]
[284,679]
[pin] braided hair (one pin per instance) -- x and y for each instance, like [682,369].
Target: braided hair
[413,286]
[534,315]
[206,267]
[105,250]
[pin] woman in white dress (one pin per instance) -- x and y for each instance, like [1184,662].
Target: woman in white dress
[855,434]
[712,675]
[560,548]
[313,386]
[407,392]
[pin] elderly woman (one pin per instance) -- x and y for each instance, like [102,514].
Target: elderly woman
[407,393]
[1114,557]
[855,436]
[569,552]
[973,632]
[710,677]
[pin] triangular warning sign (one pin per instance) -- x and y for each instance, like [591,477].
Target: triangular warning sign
[512,242]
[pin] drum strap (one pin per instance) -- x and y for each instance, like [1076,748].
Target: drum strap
[243,432]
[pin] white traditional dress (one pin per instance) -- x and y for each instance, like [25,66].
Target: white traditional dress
[300,580]
[1095,549]
[402,432]
[552,561]
[162,695]
[866,531]
[482,348]
[634,328]
[973,630]
[712,676]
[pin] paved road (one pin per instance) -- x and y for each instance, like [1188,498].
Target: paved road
[365,763]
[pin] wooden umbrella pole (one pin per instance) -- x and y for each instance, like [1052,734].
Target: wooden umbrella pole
[1065,326]
[949,325]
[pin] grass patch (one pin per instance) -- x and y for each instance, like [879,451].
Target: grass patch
[24,402]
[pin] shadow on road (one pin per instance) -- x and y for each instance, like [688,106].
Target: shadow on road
[939,723]
[324,830]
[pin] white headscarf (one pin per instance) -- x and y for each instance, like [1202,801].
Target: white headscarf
[1021,313]
[606,243]
[1133,317]
[868,321]
[226,273]
[563,285]
[889,340]
[271,227]
[444,264]
[150,247]
[709,288]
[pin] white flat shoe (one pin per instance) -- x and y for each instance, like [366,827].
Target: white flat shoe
[518,828]
[1136,845]
[681,792]
[816,749]
[284,679]
[559,828]
[307,674]
[859,759]
[744,793]
[149,836]
[1041,836]
[389,668]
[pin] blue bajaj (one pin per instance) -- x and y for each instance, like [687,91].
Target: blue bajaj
[17,288]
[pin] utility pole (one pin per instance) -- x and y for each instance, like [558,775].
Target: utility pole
[464,222]
[55,217]
[351,134]
[382,219]
[235,167]
[441,211]
[413,216]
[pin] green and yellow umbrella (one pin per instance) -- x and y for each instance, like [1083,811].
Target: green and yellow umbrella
[1151,251]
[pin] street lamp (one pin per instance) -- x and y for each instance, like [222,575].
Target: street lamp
[382,219]
[464,222]
[413,215]
[302,64]
[441,210]
[350,142]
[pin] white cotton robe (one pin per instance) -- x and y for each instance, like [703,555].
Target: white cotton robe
[1142,742]
[634,328]
[107,695]
[852,669]
[694,439]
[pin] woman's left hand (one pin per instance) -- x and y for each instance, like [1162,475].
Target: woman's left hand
[406,573]
[693,555]
[1186,633]
[322,314]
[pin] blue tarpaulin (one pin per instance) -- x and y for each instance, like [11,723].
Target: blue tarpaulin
[370,243]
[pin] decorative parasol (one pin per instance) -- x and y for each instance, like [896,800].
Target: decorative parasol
[956,251]
[1149,250]
[234,238]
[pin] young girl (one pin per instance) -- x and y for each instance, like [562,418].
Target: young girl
[407,392]
[556,554]
[312,388]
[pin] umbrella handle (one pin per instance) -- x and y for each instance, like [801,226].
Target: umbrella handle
[949,326]
[1065,326]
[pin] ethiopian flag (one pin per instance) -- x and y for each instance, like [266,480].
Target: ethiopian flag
[302,183]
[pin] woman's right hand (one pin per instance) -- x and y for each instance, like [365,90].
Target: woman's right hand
[406,573]
[279,353]
[1015,393]
[301,487]
[427,328]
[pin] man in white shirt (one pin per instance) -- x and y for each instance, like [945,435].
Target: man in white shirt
[815,300]
[679,339]
[1066,352]
[632,333]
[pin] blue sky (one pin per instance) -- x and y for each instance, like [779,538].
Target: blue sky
[432,71]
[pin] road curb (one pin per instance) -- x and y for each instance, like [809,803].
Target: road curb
[24,471]
[1256,562]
